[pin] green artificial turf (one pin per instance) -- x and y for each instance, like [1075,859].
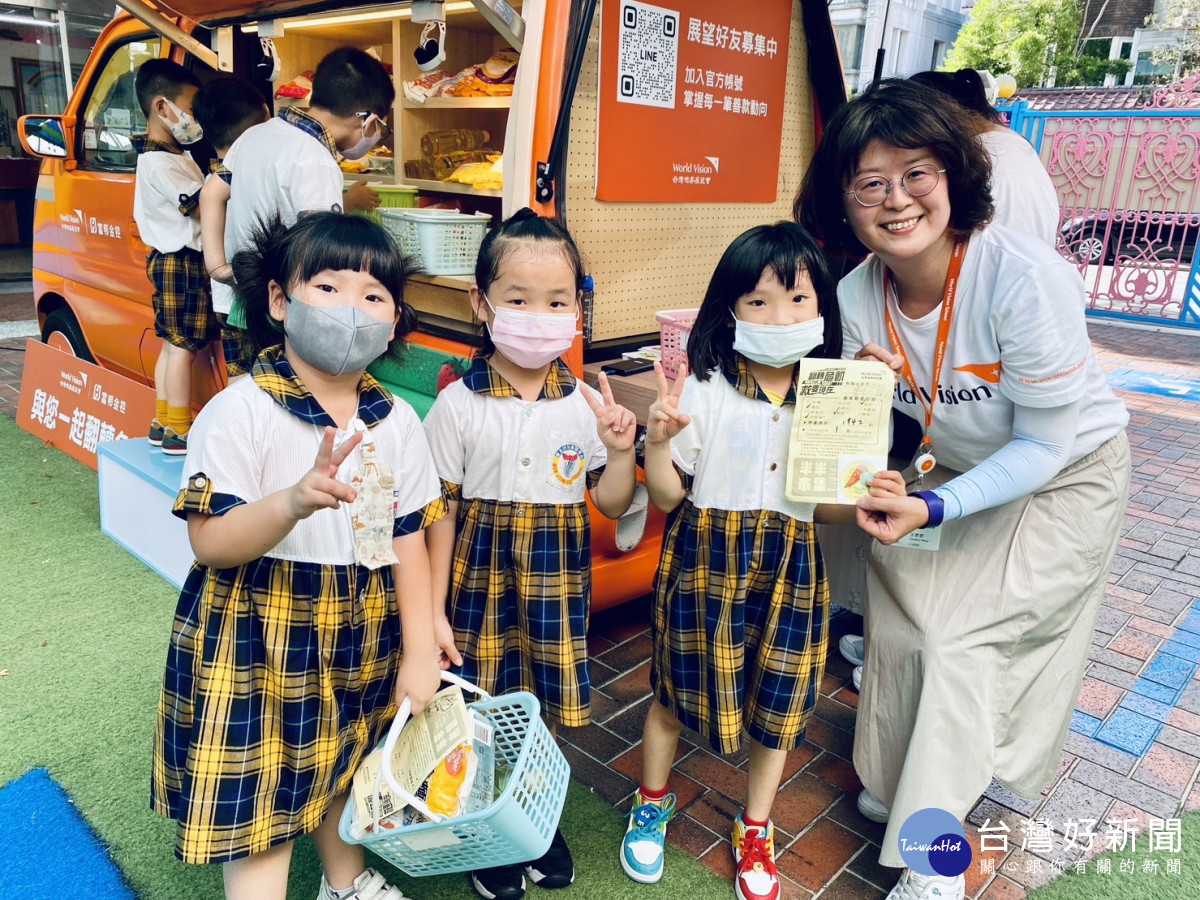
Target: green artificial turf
[83,637]
[1146,872]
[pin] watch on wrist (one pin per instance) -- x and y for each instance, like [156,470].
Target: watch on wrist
[935,505]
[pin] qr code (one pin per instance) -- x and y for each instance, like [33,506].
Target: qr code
[647,55]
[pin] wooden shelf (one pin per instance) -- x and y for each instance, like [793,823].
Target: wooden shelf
[447,187]
[454,282]
[458,103]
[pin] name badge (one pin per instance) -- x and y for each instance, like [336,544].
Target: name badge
[921,539]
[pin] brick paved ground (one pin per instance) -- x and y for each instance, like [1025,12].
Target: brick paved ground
[1134,749]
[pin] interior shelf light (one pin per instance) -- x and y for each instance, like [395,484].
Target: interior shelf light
[395,11]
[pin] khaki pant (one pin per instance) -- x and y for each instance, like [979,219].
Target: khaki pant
[975,652]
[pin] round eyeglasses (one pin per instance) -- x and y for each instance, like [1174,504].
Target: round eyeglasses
[917,182]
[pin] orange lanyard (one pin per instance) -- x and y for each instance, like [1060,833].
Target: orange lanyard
[943,335]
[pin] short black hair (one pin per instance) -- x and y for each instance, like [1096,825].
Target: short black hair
[161,78]
[349,80]
[966,87]
[903,114]
[318,241]
[785,249]
[225,107]
[522,228]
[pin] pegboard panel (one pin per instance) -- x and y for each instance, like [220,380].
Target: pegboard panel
[647,257]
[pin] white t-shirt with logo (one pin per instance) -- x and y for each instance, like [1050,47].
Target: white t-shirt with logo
[1017,336]
[506,448]
[1022,191]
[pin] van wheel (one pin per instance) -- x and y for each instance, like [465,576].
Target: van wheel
[62,332]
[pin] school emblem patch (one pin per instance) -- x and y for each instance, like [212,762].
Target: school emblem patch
[568,463]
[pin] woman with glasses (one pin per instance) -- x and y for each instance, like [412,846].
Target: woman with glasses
[985,583]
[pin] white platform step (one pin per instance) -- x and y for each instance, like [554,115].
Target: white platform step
[138,485]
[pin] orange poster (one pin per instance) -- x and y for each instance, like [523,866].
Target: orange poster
[691,100]
[74,404]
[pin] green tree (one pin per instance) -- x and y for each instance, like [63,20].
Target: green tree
[1035,41]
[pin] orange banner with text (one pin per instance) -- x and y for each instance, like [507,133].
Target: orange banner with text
[691,101]
[74,405]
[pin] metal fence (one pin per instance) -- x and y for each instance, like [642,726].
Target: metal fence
[1128,183]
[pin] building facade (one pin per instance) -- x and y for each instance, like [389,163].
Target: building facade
[914,36]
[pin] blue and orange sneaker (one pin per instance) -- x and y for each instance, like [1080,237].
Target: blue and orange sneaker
[645,839]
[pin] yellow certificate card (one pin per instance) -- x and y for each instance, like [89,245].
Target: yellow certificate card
[840,431]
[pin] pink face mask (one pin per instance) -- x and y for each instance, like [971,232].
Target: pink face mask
[531,340]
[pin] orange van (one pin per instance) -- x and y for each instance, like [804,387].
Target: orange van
[91,292]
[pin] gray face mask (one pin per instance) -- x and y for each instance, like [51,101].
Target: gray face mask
[335,339]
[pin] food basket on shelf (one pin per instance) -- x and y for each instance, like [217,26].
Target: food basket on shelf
[674,325]
[444,241]
[516,827]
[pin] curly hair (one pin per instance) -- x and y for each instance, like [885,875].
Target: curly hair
[903,114]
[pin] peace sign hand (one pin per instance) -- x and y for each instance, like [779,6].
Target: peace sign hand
[319,488]
[665,419]
[616,425]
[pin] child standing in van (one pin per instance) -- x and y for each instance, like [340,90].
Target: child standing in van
[165,210]
[517,441]
[288,166]
[307,616]
[741,606]
[225,107]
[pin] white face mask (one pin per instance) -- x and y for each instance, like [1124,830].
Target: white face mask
[778,346]
[374,125]
[531,340]
[186,130]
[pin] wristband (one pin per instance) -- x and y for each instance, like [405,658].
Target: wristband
[937,508]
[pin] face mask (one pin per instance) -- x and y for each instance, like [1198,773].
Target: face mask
[335,339]
[531,340]
[778,345]
[186,130]
[365,143]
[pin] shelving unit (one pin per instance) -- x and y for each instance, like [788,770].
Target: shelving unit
[471,37]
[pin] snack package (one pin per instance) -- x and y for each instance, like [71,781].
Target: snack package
[481,176]
[464,781]
[297,89]
[423,87]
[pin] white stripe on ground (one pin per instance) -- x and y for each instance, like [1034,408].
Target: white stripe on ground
[28,328]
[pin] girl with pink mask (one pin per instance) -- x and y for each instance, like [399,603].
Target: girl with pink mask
[517,442]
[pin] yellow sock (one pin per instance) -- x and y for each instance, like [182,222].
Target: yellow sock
[160,411]
[179,419]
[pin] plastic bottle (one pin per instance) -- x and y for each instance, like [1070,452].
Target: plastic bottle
[434,143]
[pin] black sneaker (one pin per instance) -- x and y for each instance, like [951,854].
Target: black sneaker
[555,868]
[500,883]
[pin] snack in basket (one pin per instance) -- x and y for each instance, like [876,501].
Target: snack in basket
[463,782]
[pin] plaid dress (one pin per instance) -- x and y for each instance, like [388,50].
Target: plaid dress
[520,581]
[741,605]
[281,671]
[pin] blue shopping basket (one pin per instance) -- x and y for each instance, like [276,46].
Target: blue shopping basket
[518,825]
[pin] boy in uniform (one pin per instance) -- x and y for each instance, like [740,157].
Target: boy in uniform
[166,210]
[225,107]
[288,166]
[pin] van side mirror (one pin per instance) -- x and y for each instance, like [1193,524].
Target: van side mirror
[43,136]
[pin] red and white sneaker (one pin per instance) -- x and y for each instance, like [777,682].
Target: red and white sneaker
[755,877]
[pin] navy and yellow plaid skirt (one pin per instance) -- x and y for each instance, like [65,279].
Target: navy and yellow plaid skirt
[237,347]
[183,313]
[279,680]
[739,625]
[520,595]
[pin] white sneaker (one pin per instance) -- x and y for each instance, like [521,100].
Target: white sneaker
[856,678]
[851,648]
[913,886]
[370,885]
[872,807]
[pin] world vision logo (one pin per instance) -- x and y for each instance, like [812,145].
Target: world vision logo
[989,372]
[950,394]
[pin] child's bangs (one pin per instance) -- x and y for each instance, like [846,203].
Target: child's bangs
[349,242]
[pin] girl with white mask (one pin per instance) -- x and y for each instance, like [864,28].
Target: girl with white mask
[741,607]
[519,444]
